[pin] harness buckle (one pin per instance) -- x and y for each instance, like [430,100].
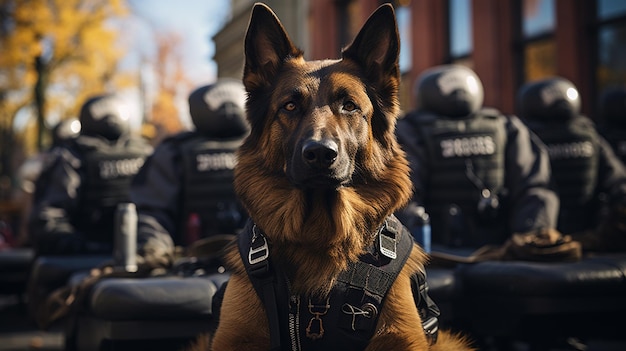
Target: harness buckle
[388,245]
[259,252]
[431,329]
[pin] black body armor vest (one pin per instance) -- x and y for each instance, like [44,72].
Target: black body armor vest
[466,160]
[616,136]
[207,187]
[574,156]
[107,174]
[347,318]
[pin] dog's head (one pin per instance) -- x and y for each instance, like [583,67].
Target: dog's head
[322,131]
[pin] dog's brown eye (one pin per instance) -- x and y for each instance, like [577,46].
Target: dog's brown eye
[349,106]
[290,106]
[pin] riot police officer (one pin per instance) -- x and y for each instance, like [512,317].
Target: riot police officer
[33,167]
[185,190]
[30,170]
[585,170]
[612,114]
[481,175]
[76,197]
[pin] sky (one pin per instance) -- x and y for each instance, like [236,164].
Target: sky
[196,21]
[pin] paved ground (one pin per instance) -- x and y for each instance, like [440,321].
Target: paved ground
[19,333]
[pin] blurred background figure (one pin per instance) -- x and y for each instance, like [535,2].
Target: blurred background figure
[75,199]
[33,167]
[589,179]
[185,192]
[612,117]
[480,175]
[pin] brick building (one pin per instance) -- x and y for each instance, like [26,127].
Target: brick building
[507,42]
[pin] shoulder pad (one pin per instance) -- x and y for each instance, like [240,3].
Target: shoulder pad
[139,144]
[179,137]
[585,120]
[84,142]
[490,112]
[422,117]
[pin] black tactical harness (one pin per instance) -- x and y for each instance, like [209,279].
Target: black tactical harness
[347,318]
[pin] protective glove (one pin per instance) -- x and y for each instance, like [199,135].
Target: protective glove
[543,245]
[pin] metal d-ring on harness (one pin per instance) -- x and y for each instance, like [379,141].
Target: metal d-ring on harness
[259,250]
[394,243]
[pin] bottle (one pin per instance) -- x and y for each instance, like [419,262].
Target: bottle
[125,244]
[193,232]
[421,228]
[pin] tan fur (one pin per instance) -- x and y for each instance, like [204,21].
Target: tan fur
[318,223]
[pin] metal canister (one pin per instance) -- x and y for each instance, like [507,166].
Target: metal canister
[126,237]
[421,228]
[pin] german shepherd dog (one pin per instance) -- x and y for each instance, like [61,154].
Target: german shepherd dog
[319,174]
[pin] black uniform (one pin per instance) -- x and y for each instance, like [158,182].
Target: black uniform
[585,170]
[63,132]
[76,196]
[613,117]
[33,167]
[480,175]
[185,190]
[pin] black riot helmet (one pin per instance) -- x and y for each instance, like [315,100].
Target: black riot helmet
[449,90]
[105,116]
[548,99]
[217,110]
[613,106]
[65,130]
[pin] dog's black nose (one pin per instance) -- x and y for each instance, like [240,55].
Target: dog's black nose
[319,153]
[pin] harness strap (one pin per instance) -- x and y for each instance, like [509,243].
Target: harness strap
[254,250]
[269,300]
[428,310]
[426,307]
[395,243]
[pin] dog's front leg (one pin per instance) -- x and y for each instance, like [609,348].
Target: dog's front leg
[399,326]
[243,324]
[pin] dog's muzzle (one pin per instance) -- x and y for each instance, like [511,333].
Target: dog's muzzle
[319,164]
[319,154]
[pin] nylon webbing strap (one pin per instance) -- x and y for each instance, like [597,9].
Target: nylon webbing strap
[254,251]
[271,309]
[378,280]
[367,277]
[427,308]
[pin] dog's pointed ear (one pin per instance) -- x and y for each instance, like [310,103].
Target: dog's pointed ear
[377,49]
[377,46]
[267,45]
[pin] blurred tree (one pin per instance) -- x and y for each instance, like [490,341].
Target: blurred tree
[171,82]
[55,53]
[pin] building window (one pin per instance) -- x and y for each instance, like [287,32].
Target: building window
[608,9]
[460,27]
[611,70]
[539,58]
[539,49]
[538,17]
